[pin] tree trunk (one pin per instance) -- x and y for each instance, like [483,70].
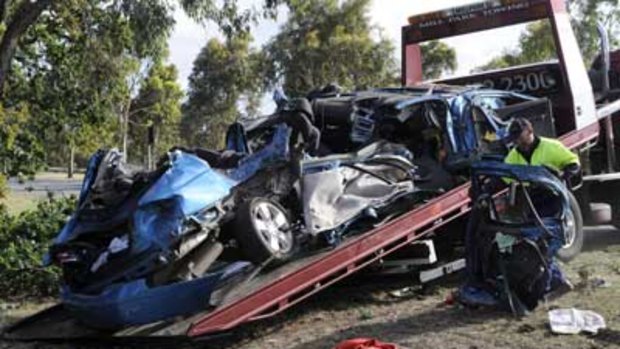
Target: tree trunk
[125,133]
[149,154]
[25,15]
[3,8]
[71,168]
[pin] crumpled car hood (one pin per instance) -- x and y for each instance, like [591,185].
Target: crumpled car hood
[336,190]
[332,198]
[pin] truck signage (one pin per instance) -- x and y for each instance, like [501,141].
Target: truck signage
[466,19]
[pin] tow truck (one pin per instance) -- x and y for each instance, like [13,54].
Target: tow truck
[583,119]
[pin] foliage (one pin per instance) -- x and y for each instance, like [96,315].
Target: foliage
[25,239]
[157,105]
[586,16]
[73,66]
[15,18]
[20,151]
[536,43]
[229,17]
[329,41]
[4,188]
[223,73]
[439,58]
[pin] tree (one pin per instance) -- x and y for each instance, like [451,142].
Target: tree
[19,150]
[439,58]
[15,19]
[327,41]
[75,67]
[157,106]
[586,16]
[536,43]
[223,73]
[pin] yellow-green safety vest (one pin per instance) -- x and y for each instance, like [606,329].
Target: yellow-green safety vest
[549,152]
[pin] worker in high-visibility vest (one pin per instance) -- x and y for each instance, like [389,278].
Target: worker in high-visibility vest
[529,150]
[534,150]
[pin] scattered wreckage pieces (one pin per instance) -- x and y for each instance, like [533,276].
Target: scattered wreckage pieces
[365,343]
[511,258]
[574,321]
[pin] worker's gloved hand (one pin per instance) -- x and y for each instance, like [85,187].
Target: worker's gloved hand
[493,185]
[572,175]
[478,198]
[489,187]
[570,171]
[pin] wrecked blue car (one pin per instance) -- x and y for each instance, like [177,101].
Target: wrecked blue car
[180,231]
[140,237]
[513,238]
[202,219]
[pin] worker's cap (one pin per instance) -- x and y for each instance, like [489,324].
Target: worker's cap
[516,127]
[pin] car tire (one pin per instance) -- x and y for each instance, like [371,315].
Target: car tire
[573,247]
[263,231]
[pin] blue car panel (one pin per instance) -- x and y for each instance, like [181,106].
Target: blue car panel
[539,229]
[135,303]
[276,150]
[192,181]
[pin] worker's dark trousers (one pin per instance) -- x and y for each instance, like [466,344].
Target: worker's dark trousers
[473,268]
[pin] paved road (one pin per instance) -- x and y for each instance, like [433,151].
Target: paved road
[47,182]
[600,237]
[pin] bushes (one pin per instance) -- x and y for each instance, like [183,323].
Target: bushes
[3,186]
[25,239]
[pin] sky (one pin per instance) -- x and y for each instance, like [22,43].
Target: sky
[189,37]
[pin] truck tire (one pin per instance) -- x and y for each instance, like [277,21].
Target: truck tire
[263,231]
[575,235]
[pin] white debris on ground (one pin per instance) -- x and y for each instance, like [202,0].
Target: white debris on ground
[574,321]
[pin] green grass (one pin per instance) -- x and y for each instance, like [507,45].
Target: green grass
[20,202]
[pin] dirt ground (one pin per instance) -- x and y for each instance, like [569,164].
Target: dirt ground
[369,307]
